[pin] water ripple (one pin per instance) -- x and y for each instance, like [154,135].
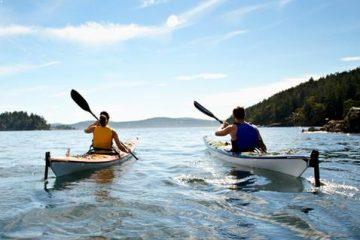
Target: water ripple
[177,191]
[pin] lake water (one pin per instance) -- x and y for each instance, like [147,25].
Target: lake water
[176,190]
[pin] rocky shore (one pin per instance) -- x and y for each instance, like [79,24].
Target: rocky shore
[350,124]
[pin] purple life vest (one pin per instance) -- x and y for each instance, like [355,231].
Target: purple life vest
[247,138]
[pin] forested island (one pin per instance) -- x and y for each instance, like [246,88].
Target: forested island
[21,120]
[60,126]
[312,103]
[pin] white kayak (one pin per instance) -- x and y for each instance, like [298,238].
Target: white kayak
[66,165]
[287,164]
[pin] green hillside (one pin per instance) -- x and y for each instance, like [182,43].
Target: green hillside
[22,121]
[311,103]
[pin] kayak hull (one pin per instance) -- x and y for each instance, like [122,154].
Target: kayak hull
[285,164]
[62,166]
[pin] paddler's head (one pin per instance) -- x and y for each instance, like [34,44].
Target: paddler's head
[104,118]
[239,114]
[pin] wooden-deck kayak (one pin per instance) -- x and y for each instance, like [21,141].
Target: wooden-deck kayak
[62,166]
[286,164]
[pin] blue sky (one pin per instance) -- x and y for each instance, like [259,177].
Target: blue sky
[147,58]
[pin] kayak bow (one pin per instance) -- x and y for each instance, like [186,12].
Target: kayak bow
[66,165]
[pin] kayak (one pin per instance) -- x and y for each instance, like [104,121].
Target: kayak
[287,164]
[66,165]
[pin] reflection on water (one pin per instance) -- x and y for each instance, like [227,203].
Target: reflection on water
[177,191]
[102,176]
[277,182]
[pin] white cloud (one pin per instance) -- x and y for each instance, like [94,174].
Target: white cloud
[5,70]
[204,7]
[149,3]
[90,33]
[214,40]
[28,90]
[118,85]
[224,102]
[187,18]
[243,11]
[173,21]
[202,76]
[283,3]
[232,34]
[14,30]
[94,33]
[60,94]
[350,59]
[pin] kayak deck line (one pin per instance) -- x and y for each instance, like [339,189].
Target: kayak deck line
[293,165]
[80,161]
[90,161]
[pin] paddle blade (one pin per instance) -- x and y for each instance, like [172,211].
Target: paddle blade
[80,100]
[205,111]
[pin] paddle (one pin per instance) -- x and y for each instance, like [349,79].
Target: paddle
[85,106]
[206,112]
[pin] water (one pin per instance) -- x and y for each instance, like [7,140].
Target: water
[177,191]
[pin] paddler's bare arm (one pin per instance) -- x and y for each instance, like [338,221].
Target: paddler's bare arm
[224,130]
[261,143]
[90,129]
[118,144]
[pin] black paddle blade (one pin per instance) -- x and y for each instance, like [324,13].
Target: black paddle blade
[205,111]
[80,100]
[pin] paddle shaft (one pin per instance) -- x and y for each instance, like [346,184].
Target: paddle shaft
[218,120]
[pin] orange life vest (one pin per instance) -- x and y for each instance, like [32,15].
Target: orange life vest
[102,137]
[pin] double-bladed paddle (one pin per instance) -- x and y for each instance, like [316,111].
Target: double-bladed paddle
[206,112]
[85,106]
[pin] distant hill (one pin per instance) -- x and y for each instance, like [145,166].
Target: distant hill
[152,123]
[311,103]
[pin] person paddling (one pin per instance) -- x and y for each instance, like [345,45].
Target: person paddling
[103,135]
[245,137]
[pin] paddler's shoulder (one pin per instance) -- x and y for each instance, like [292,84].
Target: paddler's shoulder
[233,126]
[251,124]
[110,128]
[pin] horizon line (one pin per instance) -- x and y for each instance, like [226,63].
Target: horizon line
[143,119]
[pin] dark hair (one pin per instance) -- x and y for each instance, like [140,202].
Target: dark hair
[105,114]
[239,113]
[103,120]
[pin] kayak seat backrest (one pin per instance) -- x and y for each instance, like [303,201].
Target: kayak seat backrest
[102,151]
